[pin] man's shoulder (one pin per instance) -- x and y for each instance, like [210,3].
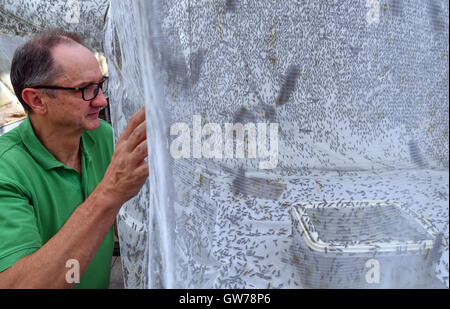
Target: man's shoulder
[14,158]
[10,144]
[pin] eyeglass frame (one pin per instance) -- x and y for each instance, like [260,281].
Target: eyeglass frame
[99,86]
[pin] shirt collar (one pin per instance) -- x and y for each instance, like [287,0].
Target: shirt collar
[40,153]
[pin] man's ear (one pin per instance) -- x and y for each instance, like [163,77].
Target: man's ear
[33,97]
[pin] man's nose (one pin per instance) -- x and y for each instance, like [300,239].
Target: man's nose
[100,100]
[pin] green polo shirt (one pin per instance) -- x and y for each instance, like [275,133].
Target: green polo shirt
[38,194]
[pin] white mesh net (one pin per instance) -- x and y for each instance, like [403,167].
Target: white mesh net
[292,144]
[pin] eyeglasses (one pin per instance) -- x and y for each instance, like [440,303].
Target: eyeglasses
[88,93]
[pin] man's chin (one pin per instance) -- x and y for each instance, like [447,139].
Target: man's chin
[93,124]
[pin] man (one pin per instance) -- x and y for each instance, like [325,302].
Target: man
[61,184]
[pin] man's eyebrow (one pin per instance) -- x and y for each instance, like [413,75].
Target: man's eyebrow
[84,84]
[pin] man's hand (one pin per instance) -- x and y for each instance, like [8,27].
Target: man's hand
[127,171]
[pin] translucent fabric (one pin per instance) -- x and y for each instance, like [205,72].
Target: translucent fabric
[86,17]
[274,127]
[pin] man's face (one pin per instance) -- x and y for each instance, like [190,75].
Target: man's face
[68,110]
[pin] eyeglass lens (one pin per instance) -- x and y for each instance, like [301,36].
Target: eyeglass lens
[91,91]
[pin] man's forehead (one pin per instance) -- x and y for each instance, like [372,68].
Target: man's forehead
[78,64]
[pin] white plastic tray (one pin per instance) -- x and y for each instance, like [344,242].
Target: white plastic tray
[312,234]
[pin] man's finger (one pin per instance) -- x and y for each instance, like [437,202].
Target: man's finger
[135,121]
[140,152]
[136,137]
[142,170]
